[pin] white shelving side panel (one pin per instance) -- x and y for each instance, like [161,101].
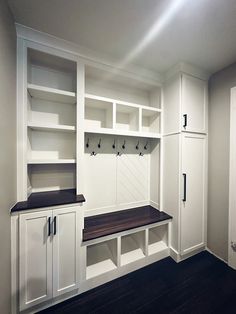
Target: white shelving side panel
[51,127]
[51,161]
[51,94]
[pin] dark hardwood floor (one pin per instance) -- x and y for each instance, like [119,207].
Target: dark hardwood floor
[201,284]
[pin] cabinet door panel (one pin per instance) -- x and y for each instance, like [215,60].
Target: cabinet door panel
[194,104]
[66,241]
[193,209]
[35,259]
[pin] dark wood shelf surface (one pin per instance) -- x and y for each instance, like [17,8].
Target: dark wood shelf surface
[52,198]
[107,224]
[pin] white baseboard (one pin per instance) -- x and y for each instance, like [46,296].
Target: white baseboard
[208,250]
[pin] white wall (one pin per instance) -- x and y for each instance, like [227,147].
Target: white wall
[7,147]
[219,118]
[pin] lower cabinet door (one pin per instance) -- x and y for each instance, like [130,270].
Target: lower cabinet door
[35,258]
[193,209]
[66,242]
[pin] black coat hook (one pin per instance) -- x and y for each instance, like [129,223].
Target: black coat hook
[93,154]
[123,146]
[114,144]
[140,154]
[145,146]
[118,154]
[87,144]
[137,146]
[99,143]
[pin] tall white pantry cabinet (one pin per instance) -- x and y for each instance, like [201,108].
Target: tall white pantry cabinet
[125,142]
[185,161]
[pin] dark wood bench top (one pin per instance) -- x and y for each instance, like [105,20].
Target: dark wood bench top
[52,198]
[106,224]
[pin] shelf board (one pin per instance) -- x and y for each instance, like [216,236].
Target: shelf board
[51,161]
[99,268]
[131,256]
[157,247]
[122,132]
[52,127]
[51,94]
[120,102]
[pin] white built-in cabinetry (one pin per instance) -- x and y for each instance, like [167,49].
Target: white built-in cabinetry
[123,141]
[49,242]
[185,161]
[185,104]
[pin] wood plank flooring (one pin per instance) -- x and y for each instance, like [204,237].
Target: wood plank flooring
[201,284]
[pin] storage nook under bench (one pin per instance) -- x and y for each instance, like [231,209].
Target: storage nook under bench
[58,253]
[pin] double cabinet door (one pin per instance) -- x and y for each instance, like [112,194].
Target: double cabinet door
[193,194]
[48,255]
[185,105]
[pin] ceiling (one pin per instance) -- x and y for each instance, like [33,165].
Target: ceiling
[154,34]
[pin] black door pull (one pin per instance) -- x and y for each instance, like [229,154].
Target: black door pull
[49,226]
[185,187]
[55,225]
[185,120]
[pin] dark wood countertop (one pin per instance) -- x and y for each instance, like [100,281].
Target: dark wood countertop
[106,224]
[46,199]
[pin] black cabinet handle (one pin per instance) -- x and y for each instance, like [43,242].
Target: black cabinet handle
[49,226]
[55,225]
[185,187]
[185,120]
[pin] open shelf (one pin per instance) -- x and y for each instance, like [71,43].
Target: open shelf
[98,114]
[50,145]
[50,161]
[127,118]
[157,239]
[51,94]
[51,127]
[44,177]
[150,121]
[101,258]
[132,247]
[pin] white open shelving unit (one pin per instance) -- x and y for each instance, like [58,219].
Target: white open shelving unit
[117,251]
[51,122]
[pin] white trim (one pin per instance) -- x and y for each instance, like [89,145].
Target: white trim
[189,69]
[208,250]
[232,180]
[89,56]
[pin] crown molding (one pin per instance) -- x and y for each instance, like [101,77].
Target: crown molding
[88,56]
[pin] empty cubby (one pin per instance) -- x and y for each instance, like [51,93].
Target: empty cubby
[127,117]
[157,239]
[150,121]
[132,247]
[101,258]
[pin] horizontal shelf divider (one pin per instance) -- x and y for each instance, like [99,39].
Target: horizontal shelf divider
[52,127]
[51,94]
[121,102]
[122,132]
[51,161]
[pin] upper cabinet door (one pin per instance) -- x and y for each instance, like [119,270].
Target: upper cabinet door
[35,248]
[194,104]
[66,242]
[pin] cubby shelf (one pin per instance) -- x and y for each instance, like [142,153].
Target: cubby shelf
[110,116]
[51,161]
[122,132]
[51,127]
[125,103]
[51,94]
